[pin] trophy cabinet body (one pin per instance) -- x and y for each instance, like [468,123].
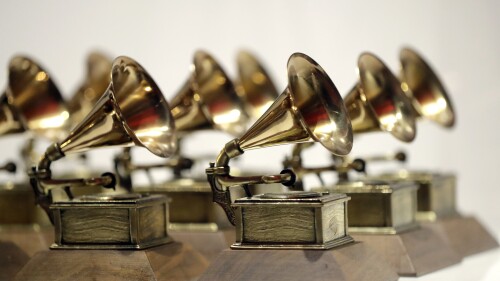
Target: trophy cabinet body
[437,206]
[130,221]
[382,214]
[273,222]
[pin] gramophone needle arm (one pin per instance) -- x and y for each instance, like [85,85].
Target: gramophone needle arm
[56,183]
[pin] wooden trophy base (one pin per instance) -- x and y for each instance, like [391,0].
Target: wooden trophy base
[209,244]
[466,235]
[355,261]
[174,261]
[413,253]
[18,243]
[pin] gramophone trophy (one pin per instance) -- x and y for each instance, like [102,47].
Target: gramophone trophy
[132,111]
[30,104]
[299,231]
[207,100]
[382,213]
[436,202]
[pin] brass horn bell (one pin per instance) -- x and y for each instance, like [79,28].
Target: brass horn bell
[377,102]
[208,100]
[96,82]
[428,95]
[132,111]
[309,109]
[32,101]
[254,85]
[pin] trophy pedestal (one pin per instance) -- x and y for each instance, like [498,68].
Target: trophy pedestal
[209,244]
[466,235]
[174,261]
[413,253]
[382,215]
[296,236]
[18,243]
[437,206]
[355,261]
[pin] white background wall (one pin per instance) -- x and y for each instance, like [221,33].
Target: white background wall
[459,38]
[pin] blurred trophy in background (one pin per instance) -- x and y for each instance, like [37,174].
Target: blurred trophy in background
[31,104]
[383,213]
[436,196]
[297,230]
[132,111]
[97,78]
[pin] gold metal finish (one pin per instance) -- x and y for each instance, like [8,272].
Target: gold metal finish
[254,85]
[379,207]
[132,111]
[32,101]
[310,109]
[95,84]
[208,100]
[421,84]
[436,193]
[298,220]
[377,102]
[127,221]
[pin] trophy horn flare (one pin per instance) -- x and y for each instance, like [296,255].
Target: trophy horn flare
[377,102]
[429,97]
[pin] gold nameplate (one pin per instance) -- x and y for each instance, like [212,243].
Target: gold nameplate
[128,221]
[305,220]
[379,206]
[436,194]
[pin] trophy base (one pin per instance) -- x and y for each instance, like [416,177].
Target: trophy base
[466,235]
[351,262]
[209,244]
[290,246]
[175,261]
[413,253]
[18,243]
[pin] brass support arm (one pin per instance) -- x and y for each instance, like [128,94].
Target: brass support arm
[341,167]
[42,182]
[124,167]
[399,156]
[220,180]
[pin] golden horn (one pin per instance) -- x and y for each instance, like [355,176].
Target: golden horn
[377,102]
[96,82]
[310,109]
[208,100]
[422,85]
[254,85]
[32,101]
[132,111]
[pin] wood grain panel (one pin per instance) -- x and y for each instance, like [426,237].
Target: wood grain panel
[278,224]
[152,222]
[91,225]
